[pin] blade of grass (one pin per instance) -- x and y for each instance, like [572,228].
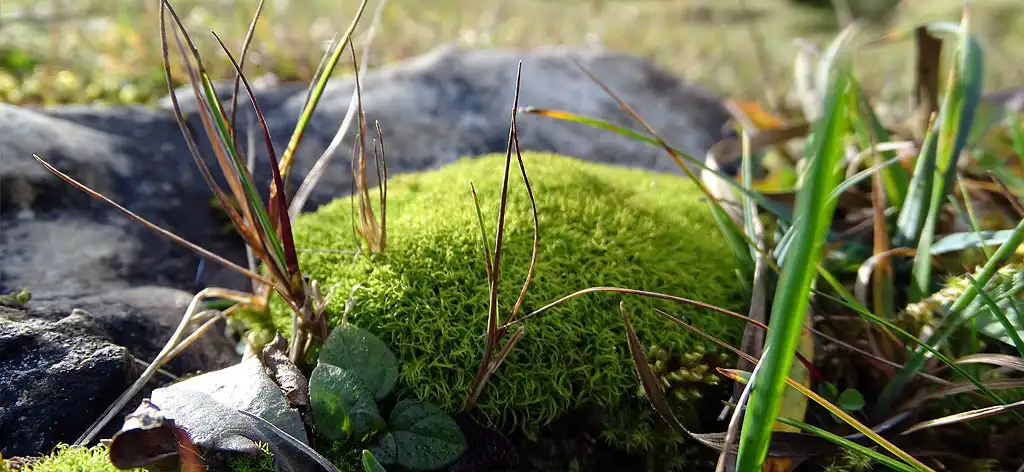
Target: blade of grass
[847,444]
[741,376]
[778,210]
[723,311]
[920,355]
[956,117]
[283,224]
[730,229]
[869,130]
[483,231]
[241,64]
[997,311]
[814,216]
[785,445]
[965,416]
[320,167]
[314,98]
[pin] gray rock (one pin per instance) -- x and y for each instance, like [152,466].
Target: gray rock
[58,241]
[56,377]
[142,319]
[454,102]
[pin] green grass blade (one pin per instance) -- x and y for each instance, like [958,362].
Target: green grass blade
[912,215]
[776,209]
[955,121]
[954,319]
[741,376]
[284,237]
[318,91]
[997,312]
[847,444]
[813,218]
[252,196]
[869,131]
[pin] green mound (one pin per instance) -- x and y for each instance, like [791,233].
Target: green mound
[67,458]
[600,225]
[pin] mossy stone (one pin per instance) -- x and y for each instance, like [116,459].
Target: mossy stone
[600,225]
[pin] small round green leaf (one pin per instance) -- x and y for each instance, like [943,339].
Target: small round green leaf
[850,400]
[359,351]
[424,436]
[342,406]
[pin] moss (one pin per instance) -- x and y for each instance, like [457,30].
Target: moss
[600,225]
[67,458]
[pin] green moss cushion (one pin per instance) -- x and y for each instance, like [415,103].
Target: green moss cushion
[600,225]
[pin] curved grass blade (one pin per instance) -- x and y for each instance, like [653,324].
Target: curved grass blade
[741,376]
[1001,360]
[320,167]
[847,444]
[812,221]
[723,311]
[869,130]
[997,312]
[786,444]
[246,42]
[965,416]
[266,426]
[779,211]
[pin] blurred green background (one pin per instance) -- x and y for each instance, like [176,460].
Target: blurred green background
[108,50]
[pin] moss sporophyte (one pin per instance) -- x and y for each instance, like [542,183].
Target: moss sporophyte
[426,297]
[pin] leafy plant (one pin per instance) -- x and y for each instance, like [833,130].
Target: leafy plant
[355,371]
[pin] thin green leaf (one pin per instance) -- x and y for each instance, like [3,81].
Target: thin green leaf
[959,241]
[741,376]
[314,98]
[997,311]
[813,219]
[956,117]
[483,231]
[776,209]
[869,130]
[847,444]
[954,319]
[173,237]
[911,219]
[281,206]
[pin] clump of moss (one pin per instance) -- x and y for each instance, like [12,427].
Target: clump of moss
[66,458]
[600,225]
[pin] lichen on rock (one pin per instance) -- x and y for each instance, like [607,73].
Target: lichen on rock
[600,225]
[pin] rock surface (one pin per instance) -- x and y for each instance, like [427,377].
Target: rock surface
[56,377]
[453,102]
[58,241]
[142,319]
